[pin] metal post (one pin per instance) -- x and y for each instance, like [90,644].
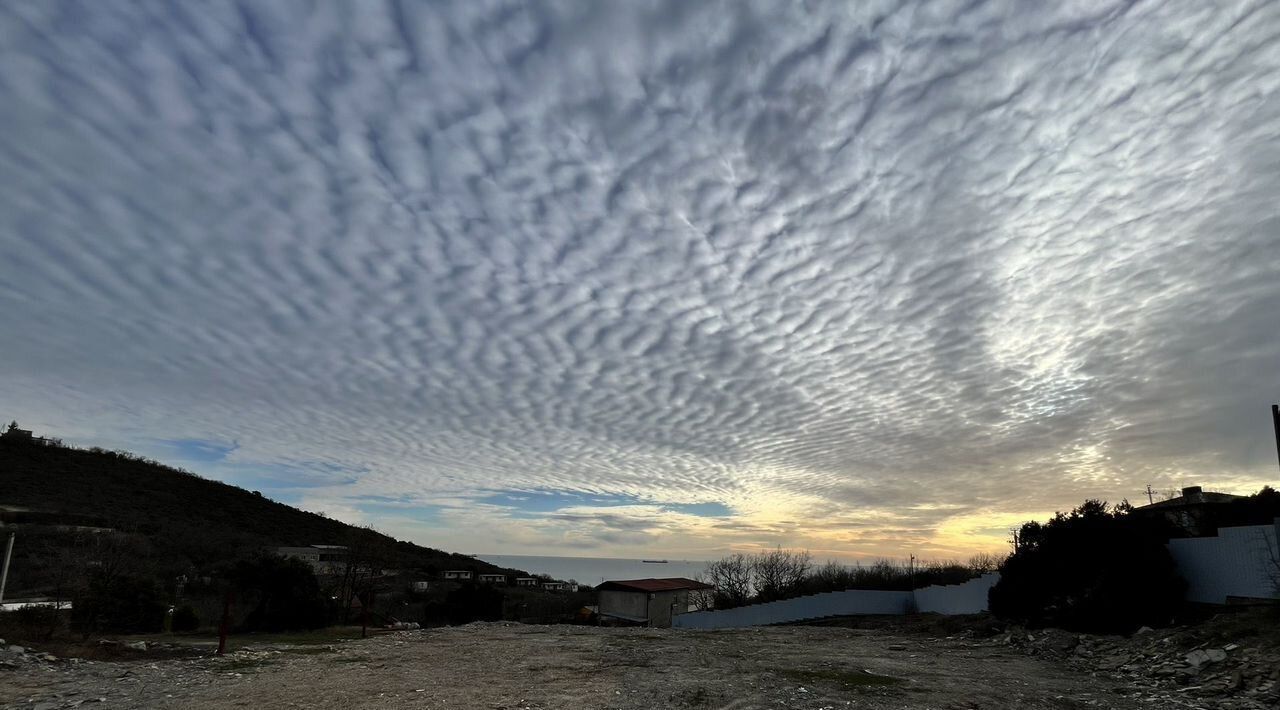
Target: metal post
[1275,420]
[225,626]
[8,554]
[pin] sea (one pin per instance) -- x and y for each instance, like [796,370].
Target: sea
[594,570]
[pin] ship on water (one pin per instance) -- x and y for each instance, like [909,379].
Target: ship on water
[655,562]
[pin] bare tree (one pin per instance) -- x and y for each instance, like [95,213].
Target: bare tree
[731,576]
[985,562]
[779,573]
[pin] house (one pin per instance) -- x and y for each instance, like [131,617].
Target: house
[649,602]
[457,574]
[555,586]
[493,579]
[1195,513]
[526,581]
[307,554]
[421,586]
[324,559]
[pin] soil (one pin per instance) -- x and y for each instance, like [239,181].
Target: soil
[504,666]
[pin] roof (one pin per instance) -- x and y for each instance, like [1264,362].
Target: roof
[1202,498]
[668,584]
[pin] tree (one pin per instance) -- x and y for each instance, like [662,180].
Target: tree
[1090,570]
[731,576]
[779,573]
[283,594]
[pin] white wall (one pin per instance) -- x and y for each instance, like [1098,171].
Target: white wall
[846,603]
[967,598]
[1235,563]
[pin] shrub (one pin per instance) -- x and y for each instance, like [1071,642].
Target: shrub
[185,619]
[283,594]
[1094,569]
[123,604]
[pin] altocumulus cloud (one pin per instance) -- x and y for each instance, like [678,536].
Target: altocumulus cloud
[867,277]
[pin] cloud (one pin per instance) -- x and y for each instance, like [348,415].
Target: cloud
[864,276]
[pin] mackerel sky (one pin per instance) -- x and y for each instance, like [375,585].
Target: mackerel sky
[637,278]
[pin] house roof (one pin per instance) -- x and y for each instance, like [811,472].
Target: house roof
[1200,498]
[652,585]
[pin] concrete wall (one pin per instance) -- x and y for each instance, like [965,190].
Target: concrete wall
[628,604]
[967,598]
[1238,562]
[847,603]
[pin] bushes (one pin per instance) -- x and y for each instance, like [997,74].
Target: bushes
[783,574]
[1094,569]
[282,593]
[185,619]
[120,603]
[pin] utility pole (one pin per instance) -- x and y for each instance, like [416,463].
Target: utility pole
[1150,495]
[1275,420]
[8,554]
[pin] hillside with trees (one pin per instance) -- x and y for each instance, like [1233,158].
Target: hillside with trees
[179,522]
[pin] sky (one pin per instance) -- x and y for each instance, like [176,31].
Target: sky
[651,278]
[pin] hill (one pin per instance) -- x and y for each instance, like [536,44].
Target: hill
[191,524]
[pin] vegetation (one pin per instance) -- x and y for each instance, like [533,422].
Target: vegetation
[137,546]
[189,524]
[1096,569]
[742,579]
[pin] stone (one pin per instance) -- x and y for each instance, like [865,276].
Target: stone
[17,649]
[136,645]
[1216,655]
[1197,657]
[1143,630]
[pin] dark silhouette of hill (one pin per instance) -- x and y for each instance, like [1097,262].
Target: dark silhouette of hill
[190,523]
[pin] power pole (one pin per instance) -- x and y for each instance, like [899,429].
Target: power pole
[1150,495]
[8,554]
[1275,420]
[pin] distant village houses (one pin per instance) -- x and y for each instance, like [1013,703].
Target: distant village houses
[457,574]
[493,579]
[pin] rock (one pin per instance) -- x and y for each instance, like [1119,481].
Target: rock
[896,647]
[49,657]
[17,649]
[1231,647]
[1216,655]
[1143,630]
[1198,657]
[136,645]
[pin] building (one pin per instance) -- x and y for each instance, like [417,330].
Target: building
[555,586]
[421,586]
[324,559]
[650,602]
[1196,513]
[493,579]
[526,581]
[457,574]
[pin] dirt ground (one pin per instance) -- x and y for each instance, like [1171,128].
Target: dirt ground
[510,666]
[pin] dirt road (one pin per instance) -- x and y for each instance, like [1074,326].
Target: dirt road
[497,666]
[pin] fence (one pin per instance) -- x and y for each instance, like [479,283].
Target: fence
[967,598]
[1238,562]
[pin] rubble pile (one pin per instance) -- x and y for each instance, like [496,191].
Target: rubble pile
[1188,662]
[14,656]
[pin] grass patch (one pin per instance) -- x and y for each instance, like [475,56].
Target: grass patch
[841,677]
